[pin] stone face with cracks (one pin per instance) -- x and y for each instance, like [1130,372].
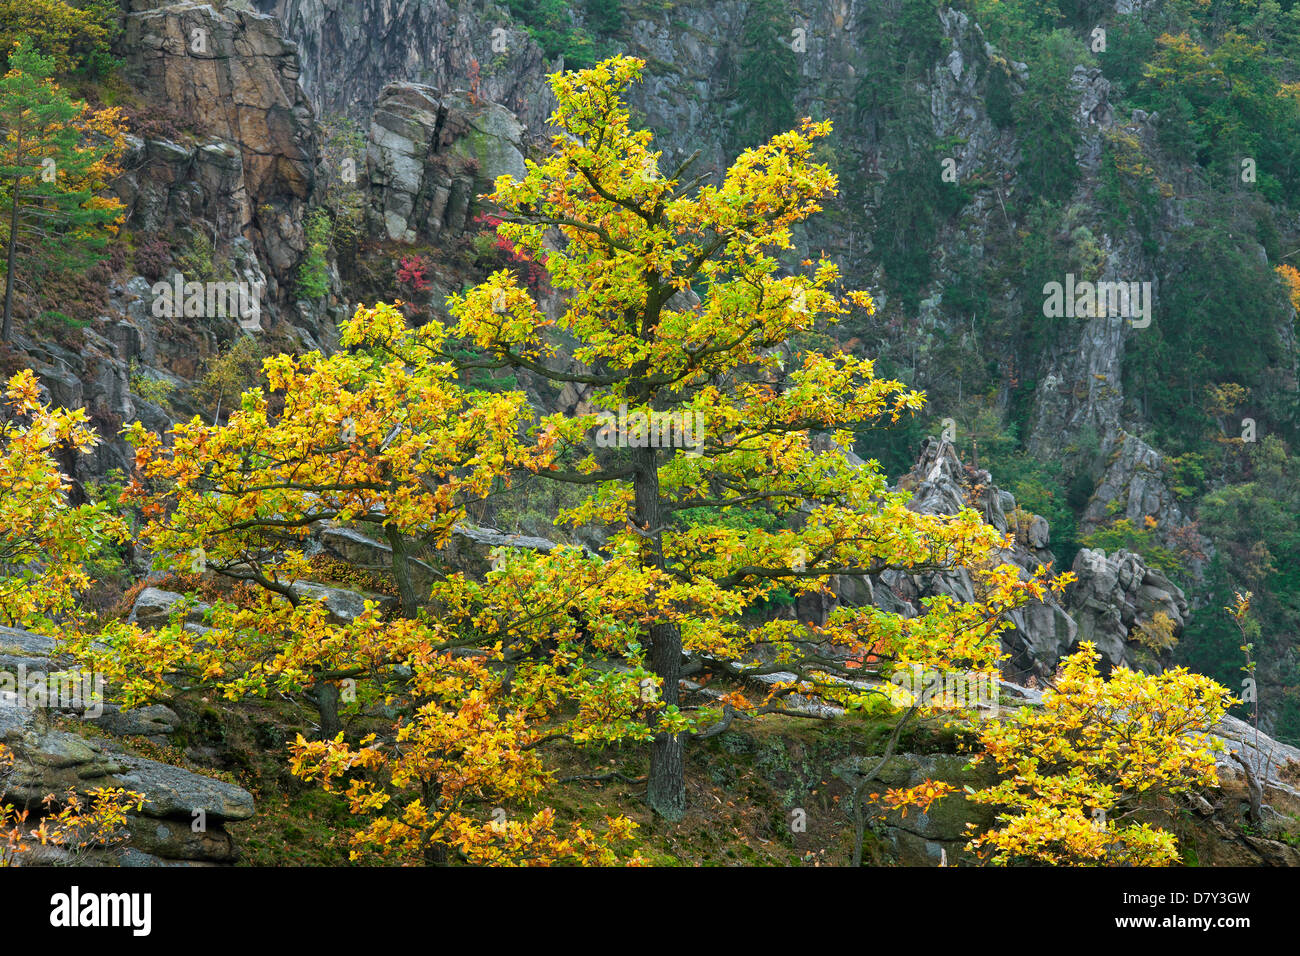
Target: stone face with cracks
[172,792]
[430,155]
[230,75]
[1115,594]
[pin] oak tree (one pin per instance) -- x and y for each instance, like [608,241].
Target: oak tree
[718,454]
[48,546]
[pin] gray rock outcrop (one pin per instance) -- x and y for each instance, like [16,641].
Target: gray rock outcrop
[184,813]
[1041,631]
[351,51]
[430,155]
[1116,594]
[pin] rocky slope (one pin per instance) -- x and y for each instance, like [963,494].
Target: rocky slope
[452,95]
[244,167]
[225,164]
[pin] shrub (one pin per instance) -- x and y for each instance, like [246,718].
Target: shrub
[1122,533]
[313,272]
[77,39]
[152,258]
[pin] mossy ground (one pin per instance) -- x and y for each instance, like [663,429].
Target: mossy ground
[762,794]
[769,792]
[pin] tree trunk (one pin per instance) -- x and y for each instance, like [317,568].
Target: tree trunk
[327,703]
[666,787]
[402,573]
[10,268]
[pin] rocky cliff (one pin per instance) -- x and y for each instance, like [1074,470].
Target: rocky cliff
[231,81]
[688,97]
[352,50]
[218,175]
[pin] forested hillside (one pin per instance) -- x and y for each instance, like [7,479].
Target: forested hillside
[528,433]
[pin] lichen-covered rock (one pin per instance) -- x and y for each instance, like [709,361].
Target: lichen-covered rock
[154,721]
[939,833]
[179,840]
[183,815]
[19,648]
[176,793]
[430,155]
[1276,765]
[343,605]
[153,608]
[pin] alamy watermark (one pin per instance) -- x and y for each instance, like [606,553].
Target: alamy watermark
[944,690]
[1090,300]
[195,300]
[681,429]
[75,690]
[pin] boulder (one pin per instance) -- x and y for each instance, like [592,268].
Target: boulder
[20,648]
[343,605]
[153,608]
[471,548]
[155,721]
[50,761]
[365,552]
[177,793]
[178,840]
[230,75]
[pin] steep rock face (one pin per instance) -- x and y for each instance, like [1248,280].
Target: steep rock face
[224,161]
[691,47]
[231,77]
[1135,479]
[97,376]
[1080,392]
[1081,377]
[958,93]
[430,155]
[166,183]
[352,49]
